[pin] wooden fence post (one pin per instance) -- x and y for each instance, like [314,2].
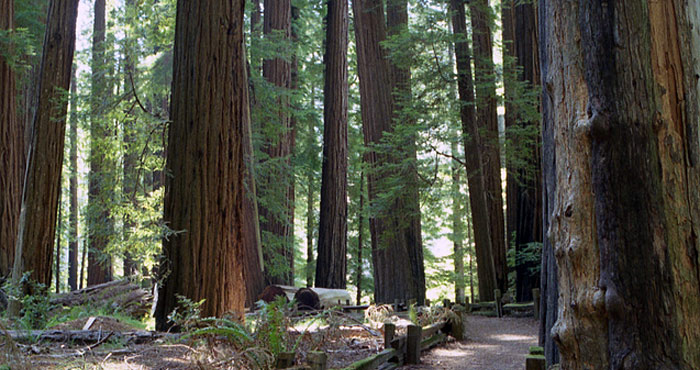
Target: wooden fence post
[536,302]
[499,306]
[389,331]
[413,344]
[317,360]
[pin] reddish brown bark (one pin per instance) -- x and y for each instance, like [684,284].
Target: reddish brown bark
[487,118]
[395,265]
[204,196]
[12,160]
[473,155]
[331,263]
[276,184]
[37,224]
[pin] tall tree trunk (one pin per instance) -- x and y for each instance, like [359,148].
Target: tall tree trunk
[397,23]
[395,260]
[457,228]
[73,187]
[473,155]
[100,223]
[206,157]
[310,229]
[487,118]
[58,243]
[621,85]
[360,238]
[12,161]
[510,76]
[332,227]
[275,213]
[37,223]
[524,185]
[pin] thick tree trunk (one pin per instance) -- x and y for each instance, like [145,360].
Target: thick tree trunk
[37,224]
[624,107]
[331,263]
[206,157]
[100,181]
[395,260]
[73,188]
[12,160]
[473,155]
[487,118]
[397,23]
[275,212]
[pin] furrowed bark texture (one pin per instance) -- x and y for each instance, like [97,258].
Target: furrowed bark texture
[276,220]
[394,272]
[101,178]
[37,224]
[397,23]
[73,188]
[549,285]
[472,154]
[457,228]
[487,118]
[629,281]
[12,158]
[331,264]
[204,196]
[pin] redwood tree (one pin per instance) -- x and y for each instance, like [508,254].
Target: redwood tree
[487,118]
[620,83]
[100,181]
[208,136]
[12,160]
[37,223]
[398,267]
[524,185]
[473,155]
[332,233]
[276,207]
[73,188]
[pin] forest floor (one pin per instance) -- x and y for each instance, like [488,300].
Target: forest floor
[490,344]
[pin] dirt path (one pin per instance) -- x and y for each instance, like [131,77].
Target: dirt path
[491,343]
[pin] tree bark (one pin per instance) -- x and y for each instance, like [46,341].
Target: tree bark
[524,185]
[100,179]
[621,80]
[487,118]
[12,161]
[394,261]
[206,157]
[37,223]
[457,228]
[397,23]
[73,187]
[129,172]
[473,155]
[360,239]
[57,271]
[276,218]
[331,263]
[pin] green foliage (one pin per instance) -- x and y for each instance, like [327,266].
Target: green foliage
[271,325]
[187,313]
[34,300]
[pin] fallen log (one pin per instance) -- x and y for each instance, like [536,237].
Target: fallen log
[85,336]
[124,295]
[328,297]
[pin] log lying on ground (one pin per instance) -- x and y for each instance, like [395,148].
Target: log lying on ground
[84,336]
[271,293]
[307,299]
[124,295]
[328,297]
